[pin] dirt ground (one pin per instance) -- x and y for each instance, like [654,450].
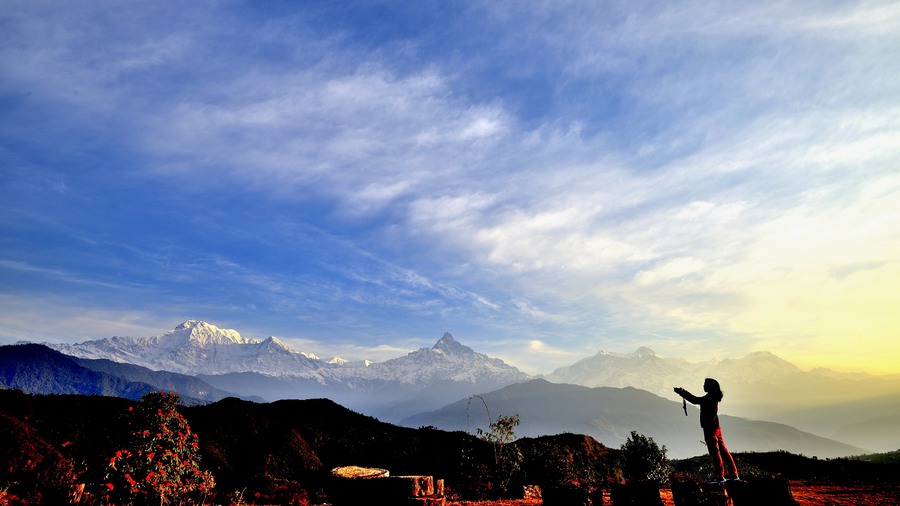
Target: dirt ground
[805,494]
[822,494]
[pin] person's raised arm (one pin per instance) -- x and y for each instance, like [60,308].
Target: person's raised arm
[693,399]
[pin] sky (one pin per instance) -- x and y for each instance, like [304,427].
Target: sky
[544,180]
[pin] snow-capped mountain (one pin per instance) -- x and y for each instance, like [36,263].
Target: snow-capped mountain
[268,368]
[447,360]
[196,347]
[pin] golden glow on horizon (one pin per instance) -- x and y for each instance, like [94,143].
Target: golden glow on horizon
[816,287]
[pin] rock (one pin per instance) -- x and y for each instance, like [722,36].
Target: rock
[359,472]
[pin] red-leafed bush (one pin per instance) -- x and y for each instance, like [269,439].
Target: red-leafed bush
[160,462]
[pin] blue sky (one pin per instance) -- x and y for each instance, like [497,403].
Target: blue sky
[542,179]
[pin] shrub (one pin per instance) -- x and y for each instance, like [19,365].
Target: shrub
[159,463]
[508,458]
[643,460]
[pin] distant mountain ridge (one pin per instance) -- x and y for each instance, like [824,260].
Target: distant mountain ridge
[609,415]
[268,368]
[760,386]
[37,369]
[34,368]
[647,370]
[197,347]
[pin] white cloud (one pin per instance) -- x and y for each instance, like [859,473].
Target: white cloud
[692,167]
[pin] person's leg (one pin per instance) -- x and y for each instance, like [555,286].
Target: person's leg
[712,437]
[725,456]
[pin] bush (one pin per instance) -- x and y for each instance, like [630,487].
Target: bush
[159,463]
[643,460]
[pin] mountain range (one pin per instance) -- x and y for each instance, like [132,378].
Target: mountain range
[609,415]
[856,408]
[860,410]
[269,369]
[196,347]
[35,368]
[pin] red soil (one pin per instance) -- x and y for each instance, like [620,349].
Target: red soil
[806,494]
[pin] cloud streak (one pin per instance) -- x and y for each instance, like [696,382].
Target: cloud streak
[579,175]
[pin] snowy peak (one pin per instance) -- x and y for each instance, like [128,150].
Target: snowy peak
[644,352]
[275,344]
[447,360]
[198,333]
[197,347]
[447,344]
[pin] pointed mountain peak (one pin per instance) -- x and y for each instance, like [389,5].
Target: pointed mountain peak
[644,351]
[273,342]
[446,338]
[448,344]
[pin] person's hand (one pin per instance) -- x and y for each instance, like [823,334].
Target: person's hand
[679,390]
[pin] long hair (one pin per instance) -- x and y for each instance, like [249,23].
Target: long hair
[714,388]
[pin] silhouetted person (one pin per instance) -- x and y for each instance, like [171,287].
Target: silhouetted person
[712,433]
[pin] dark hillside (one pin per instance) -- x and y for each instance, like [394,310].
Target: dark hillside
[190,387]
[53,444]
[268,448]
[285,439]
[568,459]
[79,424]
[35,368]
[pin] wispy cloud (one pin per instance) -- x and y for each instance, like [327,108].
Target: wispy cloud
[573,174]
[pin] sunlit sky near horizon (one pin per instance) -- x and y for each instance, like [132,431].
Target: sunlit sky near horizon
[542,179]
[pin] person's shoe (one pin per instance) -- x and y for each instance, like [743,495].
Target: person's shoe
[736,478]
